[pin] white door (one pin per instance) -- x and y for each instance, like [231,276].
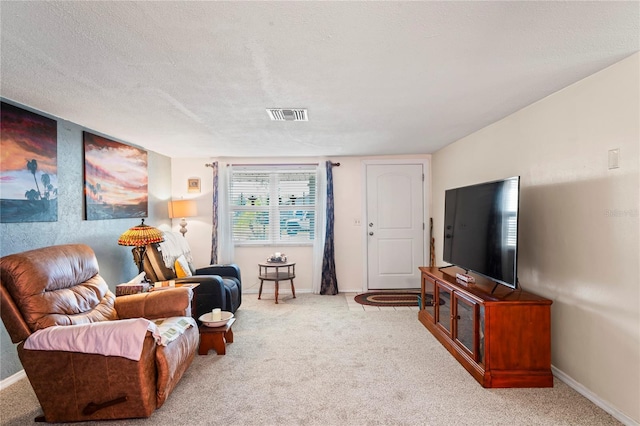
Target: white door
[394,225]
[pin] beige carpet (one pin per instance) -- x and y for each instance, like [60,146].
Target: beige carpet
[312,361]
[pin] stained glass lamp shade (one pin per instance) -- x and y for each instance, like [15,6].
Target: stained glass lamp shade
[139,236]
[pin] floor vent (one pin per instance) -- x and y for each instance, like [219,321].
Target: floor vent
[289,114]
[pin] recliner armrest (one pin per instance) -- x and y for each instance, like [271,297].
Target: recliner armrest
[171,302]
[209,294]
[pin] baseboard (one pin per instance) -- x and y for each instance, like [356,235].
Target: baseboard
[578,387]
[12,379]
[284,289]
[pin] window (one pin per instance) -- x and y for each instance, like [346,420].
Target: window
[511,214]
[273,205]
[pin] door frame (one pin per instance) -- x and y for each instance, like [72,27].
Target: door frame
[426,208]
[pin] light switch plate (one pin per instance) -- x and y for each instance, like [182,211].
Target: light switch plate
[614,158]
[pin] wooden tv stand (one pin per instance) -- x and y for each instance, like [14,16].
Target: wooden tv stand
[502,338]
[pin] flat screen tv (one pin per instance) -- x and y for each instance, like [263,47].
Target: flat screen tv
[481,229]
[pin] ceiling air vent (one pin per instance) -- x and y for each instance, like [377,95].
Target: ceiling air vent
[290,114]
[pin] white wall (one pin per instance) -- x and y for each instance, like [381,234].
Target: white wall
[350,256]
[579,232]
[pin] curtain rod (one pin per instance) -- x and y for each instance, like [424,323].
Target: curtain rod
[280,164]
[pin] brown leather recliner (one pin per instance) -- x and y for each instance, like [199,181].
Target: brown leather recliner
[59,286]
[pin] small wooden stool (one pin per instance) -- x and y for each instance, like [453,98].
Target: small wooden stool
[215,338]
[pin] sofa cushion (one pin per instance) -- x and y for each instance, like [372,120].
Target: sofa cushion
[182,267]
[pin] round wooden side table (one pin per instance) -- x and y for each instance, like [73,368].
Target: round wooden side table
[276,271]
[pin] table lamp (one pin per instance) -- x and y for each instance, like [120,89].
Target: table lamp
[182,209]
[139,236]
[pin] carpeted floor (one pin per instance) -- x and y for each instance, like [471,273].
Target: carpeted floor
[312,361]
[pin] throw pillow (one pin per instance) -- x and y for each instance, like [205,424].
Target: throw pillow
[182,267]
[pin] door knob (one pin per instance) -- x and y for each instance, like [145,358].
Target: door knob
[371,233]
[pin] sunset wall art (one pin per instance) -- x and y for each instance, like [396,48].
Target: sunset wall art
[115,179]
[28,166]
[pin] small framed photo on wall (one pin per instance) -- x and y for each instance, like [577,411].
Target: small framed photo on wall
[193,184]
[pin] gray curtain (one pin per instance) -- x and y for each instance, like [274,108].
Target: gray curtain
[214,218]
[329,283]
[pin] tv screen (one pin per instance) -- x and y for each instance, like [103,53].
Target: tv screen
[481,229]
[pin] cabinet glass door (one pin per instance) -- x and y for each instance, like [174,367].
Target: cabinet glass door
[480,357]
[429,296]
[465,324]
[443,299]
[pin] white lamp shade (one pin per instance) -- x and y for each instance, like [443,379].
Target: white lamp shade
[182,208]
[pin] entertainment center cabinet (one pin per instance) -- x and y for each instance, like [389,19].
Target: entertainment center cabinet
[501,336]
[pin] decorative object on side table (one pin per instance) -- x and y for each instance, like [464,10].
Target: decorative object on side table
[277,258]
[137,285]
[215,319]
[138,237]
[182,209]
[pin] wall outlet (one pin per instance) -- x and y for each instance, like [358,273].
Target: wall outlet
[356,222]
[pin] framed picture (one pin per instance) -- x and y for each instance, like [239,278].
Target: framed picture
[29,166]
[115,179]
[193,184]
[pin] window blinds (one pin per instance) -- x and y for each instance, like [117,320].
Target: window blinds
[273,205]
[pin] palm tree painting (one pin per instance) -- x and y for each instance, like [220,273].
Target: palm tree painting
[115,179]
[28,166]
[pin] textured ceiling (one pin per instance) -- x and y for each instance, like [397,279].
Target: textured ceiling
[193,79]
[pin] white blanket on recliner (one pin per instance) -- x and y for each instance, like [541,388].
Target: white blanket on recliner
[173,246]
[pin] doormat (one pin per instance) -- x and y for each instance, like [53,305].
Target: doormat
[388,298]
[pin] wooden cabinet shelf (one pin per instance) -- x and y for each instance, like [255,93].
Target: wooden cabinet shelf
[501,336]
